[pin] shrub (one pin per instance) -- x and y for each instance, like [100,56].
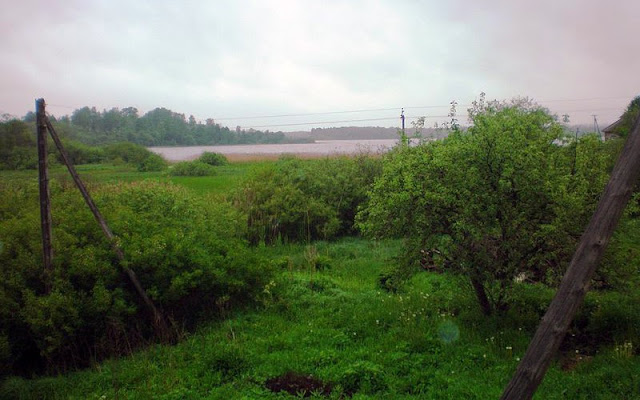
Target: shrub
[134,154]
[154,162]
[214,159]
[17,146]
[305,200]
[192,168]
[80,153]
[187,253]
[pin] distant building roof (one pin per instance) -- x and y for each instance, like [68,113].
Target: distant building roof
[612,127]
[610,131]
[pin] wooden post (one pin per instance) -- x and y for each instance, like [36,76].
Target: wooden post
[159,320]
[575,283]
[45,195]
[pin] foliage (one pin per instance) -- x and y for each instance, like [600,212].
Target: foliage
[18,150]
[620,268]
[192,168]
[158,127]
[496,202]
[139,156]
[214,159]
[17,146]
[362,341]
[186,251]
[629,117]
[304,200]
[153,162]
[80,153]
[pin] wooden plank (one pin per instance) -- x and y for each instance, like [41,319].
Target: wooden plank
[45,194]
[160,323]
[575,282]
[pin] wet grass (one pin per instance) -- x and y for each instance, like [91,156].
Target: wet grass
[334,324]
[226,179]
[324,319]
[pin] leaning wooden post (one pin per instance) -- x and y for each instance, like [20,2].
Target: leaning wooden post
[575,283]
[159,320]
[45,195]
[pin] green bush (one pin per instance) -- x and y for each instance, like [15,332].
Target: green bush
[134,154]
[154,162]
[192,168]
[214,159]
[188,255]
[297,200]
[620,267]
[493,203]
[17,146]
[80,153]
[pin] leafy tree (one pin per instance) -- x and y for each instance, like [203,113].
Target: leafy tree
[495,203]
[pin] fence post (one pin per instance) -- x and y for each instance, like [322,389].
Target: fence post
[45,195]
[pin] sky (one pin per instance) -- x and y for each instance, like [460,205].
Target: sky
[295,65]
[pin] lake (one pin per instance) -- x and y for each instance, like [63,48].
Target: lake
[319,148]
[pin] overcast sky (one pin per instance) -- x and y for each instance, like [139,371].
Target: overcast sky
[224,59]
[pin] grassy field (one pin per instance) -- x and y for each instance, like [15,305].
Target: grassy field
[324,324]
[226,179]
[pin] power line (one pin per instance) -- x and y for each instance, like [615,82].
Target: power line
[324,122]
[343,121]
[446,106]
[461,106]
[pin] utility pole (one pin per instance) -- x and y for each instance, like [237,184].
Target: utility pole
[596,128]
[402,118]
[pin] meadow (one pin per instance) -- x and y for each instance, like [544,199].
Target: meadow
[324,326]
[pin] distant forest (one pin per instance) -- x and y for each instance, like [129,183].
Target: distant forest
[158,127]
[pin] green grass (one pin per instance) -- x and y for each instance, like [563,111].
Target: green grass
[324,314]
[227,177]
[426,342]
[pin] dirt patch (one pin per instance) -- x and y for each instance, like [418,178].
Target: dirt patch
[298,385]
[569,362]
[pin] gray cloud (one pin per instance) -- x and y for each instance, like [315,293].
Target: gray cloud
[235,58]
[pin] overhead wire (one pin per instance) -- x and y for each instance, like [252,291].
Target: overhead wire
[363,110]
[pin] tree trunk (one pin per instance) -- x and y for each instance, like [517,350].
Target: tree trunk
[481,294]
[575,283]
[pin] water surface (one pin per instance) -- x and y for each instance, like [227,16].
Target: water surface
[318,148]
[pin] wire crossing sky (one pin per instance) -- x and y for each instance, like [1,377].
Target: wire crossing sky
[284,63]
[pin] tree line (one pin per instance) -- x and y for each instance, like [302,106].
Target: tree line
[158,127]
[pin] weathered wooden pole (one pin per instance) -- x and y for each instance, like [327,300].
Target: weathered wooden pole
[575,283]
[159,320]
[45,195]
